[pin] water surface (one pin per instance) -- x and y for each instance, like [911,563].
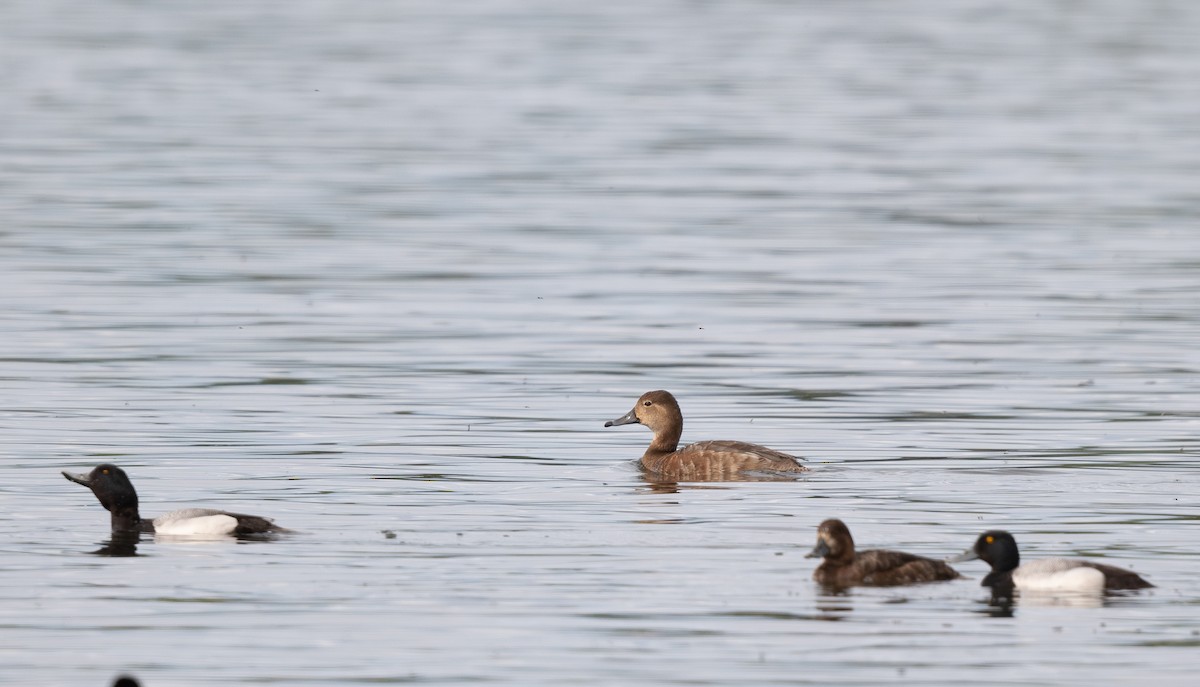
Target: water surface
[382,270]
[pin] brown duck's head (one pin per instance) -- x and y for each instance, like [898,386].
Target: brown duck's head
[657,410]
[833,541]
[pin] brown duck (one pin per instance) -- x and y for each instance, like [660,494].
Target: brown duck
[703,460]
[845,567]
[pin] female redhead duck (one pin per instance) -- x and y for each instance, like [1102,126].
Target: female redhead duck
[845,567]
[998,549]
[703,460]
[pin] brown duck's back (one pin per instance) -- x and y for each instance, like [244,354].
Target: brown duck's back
[709,460]
[884,568]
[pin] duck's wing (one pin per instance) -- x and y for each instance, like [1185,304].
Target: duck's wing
[746,456]
[882,567]
[1049,566]
[1119,578]
[713,461]
[254,524]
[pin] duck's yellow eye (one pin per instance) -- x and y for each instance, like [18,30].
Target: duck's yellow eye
[990,539]
[106,471]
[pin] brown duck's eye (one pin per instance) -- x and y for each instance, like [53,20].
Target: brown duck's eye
[648,403]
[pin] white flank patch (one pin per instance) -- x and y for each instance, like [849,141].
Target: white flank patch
[197,525]
[1058,575]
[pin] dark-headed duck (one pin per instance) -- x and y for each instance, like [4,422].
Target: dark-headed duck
[115,492]
[703,460]
[999,549]
[845,567]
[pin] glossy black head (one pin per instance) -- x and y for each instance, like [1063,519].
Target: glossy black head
[111,486]
[997,548]
[126,681]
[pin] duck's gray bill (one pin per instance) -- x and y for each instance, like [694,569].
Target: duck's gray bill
[78,479]
[626,419]
[968,555]
[818,551]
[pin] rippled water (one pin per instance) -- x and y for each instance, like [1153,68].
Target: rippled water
[382,270]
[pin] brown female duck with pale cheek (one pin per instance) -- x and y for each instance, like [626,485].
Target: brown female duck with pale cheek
[844,567]
[703,460]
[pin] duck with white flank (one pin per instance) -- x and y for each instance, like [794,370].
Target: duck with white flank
[115,492]
[999,549]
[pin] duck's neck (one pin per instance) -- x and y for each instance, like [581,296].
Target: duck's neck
[666,440]
[843,557]
[1007,561]
[126,520]
[843,554]
[998,579]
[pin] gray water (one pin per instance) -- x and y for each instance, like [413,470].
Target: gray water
[381,271]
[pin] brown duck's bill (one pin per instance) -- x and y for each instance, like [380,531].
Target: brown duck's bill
[968,555]
[626,419]
[78,479]
[818,551]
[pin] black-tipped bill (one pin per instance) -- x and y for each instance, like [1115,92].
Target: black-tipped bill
[819,551]
[78,479]
[968,555]
[626,419]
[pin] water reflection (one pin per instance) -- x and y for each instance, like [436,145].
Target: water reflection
[1003,601]
[998,605]
[655,484]
[833,602]
[835,589]
[125,544]
[656,487]
[659,484]
[1063,600]
[121,545]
